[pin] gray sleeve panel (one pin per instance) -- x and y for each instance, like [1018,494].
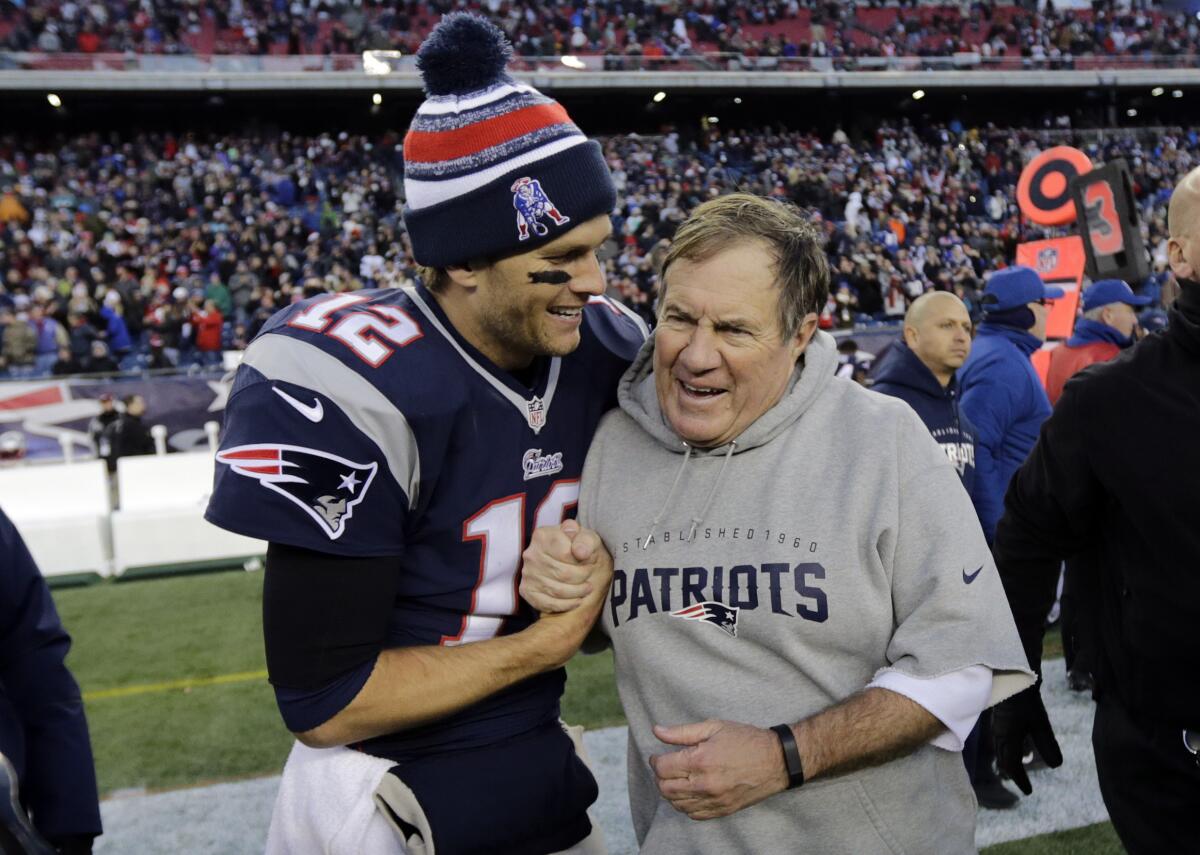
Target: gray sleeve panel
[281,357]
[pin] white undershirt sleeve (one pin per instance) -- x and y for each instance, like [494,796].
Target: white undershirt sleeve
[956,699]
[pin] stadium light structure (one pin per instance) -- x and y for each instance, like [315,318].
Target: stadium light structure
[1156,91]
[573,62]
[53,100]
[737,100]
[1131,112]
[918,94]
[1178,93]
[659,97]
[713,120]
[377,99]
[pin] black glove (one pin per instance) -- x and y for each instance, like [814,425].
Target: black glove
[1023,715]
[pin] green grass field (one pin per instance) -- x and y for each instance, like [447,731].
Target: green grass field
[173,675]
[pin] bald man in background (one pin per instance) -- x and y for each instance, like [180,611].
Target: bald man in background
[1081,488]
[921,370]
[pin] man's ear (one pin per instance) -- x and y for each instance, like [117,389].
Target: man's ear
[1180,266]
[467,275]
[804,334]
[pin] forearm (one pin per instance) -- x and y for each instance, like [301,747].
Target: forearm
[867,729]
[410,686]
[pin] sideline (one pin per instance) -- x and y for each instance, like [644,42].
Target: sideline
[172,685]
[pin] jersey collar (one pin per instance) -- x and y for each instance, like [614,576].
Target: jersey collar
[533,404]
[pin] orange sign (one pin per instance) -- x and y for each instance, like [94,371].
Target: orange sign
[1059,262]
[1044,188]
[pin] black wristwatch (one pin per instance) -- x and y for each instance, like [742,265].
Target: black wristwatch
[791,755]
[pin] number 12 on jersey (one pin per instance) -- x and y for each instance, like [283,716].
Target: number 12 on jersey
[499,526]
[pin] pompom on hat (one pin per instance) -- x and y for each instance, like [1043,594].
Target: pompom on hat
[492,166]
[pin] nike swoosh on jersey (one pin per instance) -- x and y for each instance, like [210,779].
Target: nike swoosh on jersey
[969,578]
[314,412]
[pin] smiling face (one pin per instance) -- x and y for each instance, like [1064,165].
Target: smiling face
[720,359]
[512,319]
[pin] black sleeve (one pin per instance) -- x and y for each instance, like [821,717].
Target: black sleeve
[323,615]
[1050,511]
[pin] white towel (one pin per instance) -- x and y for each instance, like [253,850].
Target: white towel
[326,805]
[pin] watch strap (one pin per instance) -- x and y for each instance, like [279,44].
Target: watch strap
[791,755]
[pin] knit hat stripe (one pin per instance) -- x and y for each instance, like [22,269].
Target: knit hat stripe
[425,194]
[443,169]
[422,147]
[450,104]
[513,101]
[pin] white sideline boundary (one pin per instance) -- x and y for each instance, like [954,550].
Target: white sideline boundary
[232,819]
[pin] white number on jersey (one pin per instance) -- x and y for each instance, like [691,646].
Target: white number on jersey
[500,528]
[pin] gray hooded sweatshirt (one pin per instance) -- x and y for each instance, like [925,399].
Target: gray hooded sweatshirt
[768,579]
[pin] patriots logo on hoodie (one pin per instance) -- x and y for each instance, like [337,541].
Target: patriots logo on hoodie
[323,485]
[721,616]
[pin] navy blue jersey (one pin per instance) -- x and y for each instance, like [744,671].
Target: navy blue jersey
[363,425]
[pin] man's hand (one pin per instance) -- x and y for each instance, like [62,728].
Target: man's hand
[562,632]
[724,767]
[1020,716]
[558,567]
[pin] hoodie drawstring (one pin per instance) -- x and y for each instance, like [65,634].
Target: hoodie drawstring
[712,494]
[670,495]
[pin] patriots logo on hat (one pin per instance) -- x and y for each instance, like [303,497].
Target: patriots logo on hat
[721,616]
[323,485]
[532,204]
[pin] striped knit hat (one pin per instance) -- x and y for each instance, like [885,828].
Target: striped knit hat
[492,166]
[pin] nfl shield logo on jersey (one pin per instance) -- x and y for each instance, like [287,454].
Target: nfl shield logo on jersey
[535,413]
[532,205]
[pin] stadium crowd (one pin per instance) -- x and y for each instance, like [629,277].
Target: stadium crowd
[624,31]
[152,251]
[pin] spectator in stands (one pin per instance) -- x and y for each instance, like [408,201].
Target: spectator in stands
[48,337]
[43,729]
[158,359]
[81,335]
[67,363]
[17,343]
[116,333]
[100,361]
[206,325]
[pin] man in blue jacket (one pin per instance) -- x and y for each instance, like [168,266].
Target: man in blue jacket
[1001,393]
[42,726]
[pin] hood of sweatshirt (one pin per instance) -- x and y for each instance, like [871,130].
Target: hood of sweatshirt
[638,397]
[902,367]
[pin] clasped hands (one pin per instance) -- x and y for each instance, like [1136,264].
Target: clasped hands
[721,767]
